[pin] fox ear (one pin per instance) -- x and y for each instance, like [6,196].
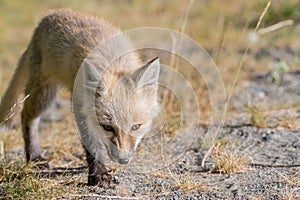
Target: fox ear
[148,74]
[91,76]
[90,73]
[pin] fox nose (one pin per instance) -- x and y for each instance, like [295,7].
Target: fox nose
[123,161]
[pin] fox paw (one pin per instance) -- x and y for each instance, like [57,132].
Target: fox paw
[40,163]
[103,180]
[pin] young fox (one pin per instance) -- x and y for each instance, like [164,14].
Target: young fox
[124,100]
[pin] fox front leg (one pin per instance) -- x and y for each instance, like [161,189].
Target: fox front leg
[98,174]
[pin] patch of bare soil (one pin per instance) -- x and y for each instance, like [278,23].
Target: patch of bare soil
[273,173]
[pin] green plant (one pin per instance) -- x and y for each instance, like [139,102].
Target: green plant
[280,68]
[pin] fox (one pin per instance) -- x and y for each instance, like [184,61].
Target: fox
[116,104]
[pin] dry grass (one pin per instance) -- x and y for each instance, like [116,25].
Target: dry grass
[274,118]
[186,183]
[17,181]
[258,117]
[228,158]
[292,179]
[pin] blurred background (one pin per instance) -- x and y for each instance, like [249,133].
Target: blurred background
[224,28]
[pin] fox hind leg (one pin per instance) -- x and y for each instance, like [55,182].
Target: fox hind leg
[40,97]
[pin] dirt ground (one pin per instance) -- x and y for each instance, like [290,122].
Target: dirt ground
[274,153]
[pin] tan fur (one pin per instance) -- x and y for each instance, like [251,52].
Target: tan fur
[57,48]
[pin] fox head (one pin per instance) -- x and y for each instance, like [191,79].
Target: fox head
[125,105]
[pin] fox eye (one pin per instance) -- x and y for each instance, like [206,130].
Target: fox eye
[135,127]
[108,128]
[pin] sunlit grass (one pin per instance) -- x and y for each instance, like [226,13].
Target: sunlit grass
[229,159]
[18,182]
